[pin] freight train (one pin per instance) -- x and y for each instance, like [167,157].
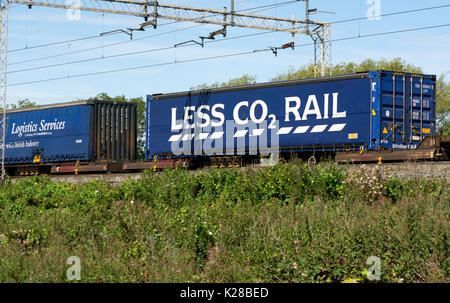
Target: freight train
[364,117]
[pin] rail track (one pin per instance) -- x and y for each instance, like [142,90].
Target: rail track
[402,170]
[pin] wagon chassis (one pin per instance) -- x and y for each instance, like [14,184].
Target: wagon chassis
[430,149]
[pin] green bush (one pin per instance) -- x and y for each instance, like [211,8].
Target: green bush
[394,189]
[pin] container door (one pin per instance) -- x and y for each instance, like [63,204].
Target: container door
[394,110]
[407,110]
[421,118]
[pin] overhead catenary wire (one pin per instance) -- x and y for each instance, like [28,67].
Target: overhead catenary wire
[129,53]
[30,33]
[265,7]
[101,47]
[136,39]
[156,50]
[391,14]
[199,25]
[219,56]
[54,43]
[278,4]
[137,67]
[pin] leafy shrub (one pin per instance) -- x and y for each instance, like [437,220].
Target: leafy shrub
[204,239]
[394,189]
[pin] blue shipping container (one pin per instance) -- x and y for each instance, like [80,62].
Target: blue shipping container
[73,131]
[370,110]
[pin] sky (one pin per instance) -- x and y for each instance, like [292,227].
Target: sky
[428,49]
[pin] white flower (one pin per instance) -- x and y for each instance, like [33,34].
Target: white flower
[132,202]
[210,233]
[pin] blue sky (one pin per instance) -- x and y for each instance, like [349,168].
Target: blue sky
[428,49]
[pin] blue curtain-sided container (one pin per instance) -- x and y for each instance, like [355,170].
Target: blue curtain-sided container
[76,131]
[370,110]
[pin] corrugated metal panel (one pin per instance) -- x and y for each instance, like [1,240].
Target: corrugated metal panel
[115,131]
[133,132]
[127,115]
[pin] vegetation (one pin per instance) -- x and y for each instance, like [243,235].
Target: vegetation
[243,80]
[307,71]
[287,223]
[22,104]
[443,104]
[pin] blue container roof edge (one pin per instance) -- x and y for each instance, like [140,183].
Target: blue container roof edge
[63,104]
[357,75]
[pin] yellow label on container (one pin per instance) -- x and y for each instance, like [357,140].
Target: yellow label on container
[353,136]
[426,131]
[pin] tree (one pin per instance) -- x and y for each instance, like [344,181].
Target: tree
[443,104]
[141,121]
[244,80]
[307,71]
[25,103]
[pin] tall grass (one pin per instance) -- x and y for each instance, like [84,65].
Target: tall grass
[287,223]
